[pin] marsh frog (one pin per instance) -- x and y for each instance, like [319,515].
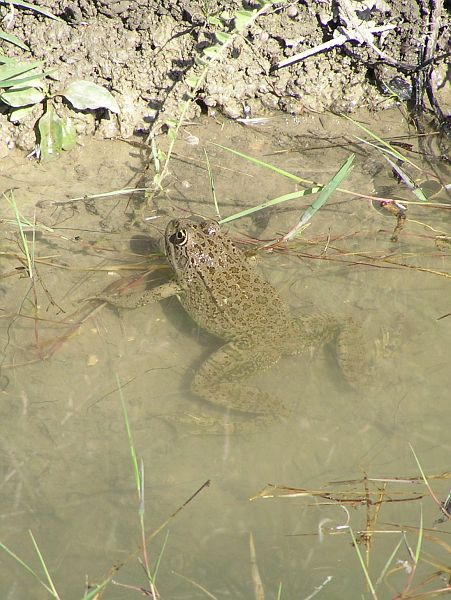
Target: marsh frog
[225,295]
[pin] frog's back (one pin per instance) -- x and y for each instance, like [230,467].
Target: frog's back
[221,290]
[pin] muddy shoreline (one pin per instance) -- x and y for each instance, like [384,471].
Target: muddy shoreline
[144,51]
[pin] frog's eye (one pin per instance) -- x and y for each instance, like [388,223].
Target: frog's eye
[180,237]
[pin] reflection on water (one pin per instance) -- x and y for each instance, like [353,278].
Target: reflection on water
[66,471]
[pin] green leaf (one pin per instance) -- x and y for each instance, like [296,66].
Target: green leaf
[13,39]
[14,82]
[69,135]
[193,82]
[22,96]
[6,59]
[223,37]
[213,20]
[18,115]
[9,70]
[84,94]
[199,61]
[211,51]
[51,134]
[242,19]
[327,190]
[35,7]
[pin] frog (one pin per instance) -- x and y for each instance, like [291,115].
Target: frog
[222,290]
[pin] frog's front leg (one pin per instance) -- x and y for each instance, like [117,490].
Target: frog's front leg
[219,379]
[135,300]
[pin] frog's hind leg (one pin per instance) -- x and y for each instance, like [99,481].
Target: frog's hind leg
[219,379]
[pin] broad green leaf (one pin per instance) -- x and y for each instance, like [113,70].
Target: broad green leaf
[171,123]
[193,82]
[242,19]
[213,20]
[18,115]
[223,37]
[199,61]
[183,106]
[13,39]
[69,135]
[51,134]
[22,96]
[84,94]
[211,51]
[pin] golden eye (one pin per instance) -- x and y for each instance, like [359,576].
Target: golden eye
[179,238]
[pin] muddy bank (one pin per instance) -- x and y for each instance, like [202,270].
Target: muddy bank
[144,51]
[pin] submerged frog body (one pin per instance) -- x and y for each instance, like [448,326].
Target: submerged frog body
[223,293]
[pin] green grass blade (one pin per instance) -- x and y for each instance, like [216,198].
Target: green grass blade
[388,563]
[24,565]
[13,39]
[12,202]
[363,565]
[7,83]
[273,202]
[262,163]
[44,566]
[407,180]
[327,190]
[92,593]
[160,556]
[130,439]
[211,179]
[142,504]
[381,141]
[279,592]
[420,537]
[34,7]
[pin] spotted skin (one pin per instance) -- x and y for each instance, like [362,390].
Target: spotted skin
[224,294]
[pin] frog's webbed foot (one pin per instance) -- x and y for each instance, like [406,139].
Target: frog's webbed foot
[136,300]
[218,380]
[217,424]
[353,355]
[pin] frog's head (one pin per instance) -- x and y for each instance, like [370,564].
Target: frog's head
[193,243]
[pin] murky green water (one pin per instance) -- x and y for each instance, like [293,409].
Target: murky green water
[66,471]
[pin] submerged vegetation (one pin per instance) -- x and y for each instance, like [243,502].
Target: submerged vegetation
[57,253]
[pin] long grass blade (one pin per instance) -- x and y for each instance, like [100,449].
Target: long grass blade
[273,202]
[44,566]
[211,179]
[34,7]
[382,141]
[130,439]
[363,565]
[262,163]
[25,566]
[327,190]
[160,556]
[13,39]
[420,537]
[388,563]
[13,204]
[93,593]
